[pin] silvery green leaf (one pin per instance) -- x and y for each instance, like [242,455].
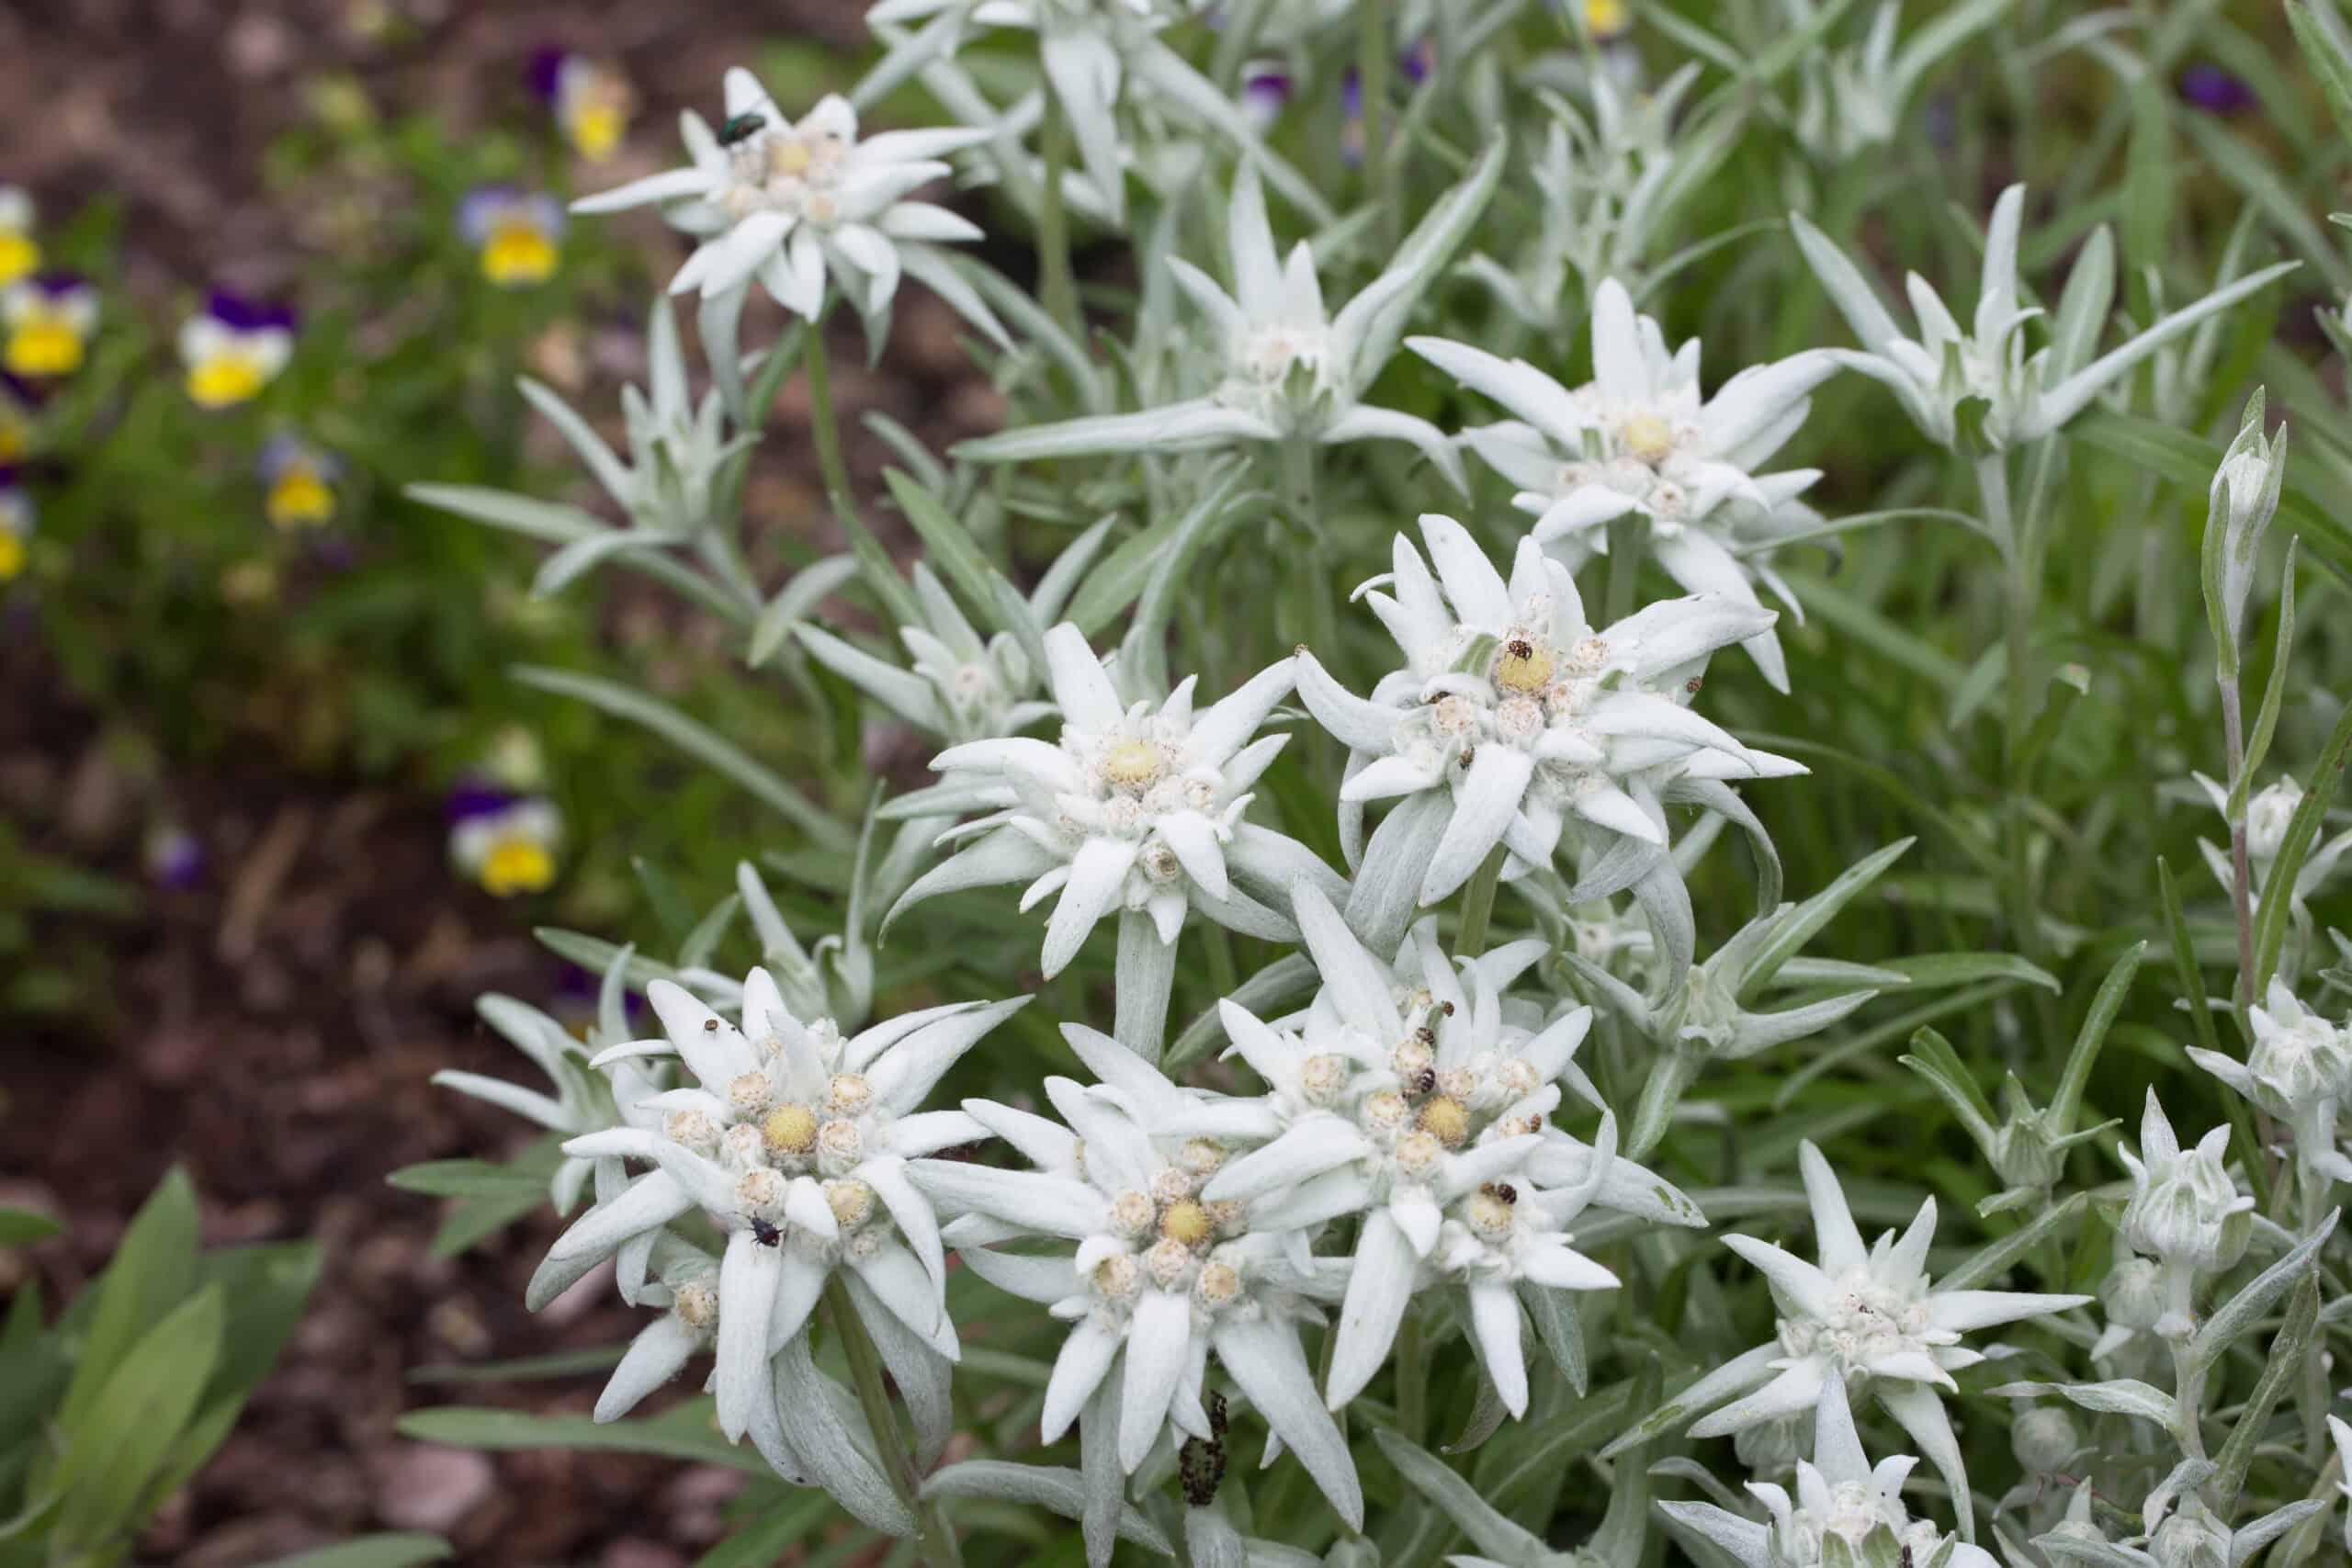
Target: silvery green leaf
[794,602]
[1285,980]
[2249,1538]
[2120,1396]
[1794,926]
[2071,396]
[825,1427]
[1494,1535]
[1211,1541]
[2097,1553]
[582,556]
[2244,1310]
[1995,1260]
[1371,323]
[908,695]
[696,739]
[607,468]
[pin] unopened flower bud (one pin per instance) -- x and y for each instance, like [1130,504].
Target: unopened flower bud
[2190,1537]
[696,1304]
[2185,1208]
[2132,1294]
[2043,1439]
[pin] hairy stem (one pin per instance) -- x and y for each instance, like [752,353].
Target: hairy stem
[2188,1393]
[1372,81]
[1478,905]
[937,1541]
[1412,1380]
[2241,871]
[825,429]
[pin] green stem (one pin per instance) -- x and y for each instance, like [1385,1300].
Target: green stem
[1057,279]
[1412,1380]
[2188,1393]
[937,1541]
[1478,906]
[1371,79]
[1626,542]
[824,426]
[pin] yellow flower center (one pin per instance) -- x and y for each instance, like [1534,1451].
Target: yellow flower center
[1186,1222]
[788,155]
[44,346]
[224,379]
[1649,436]
[300,497]
[517,255]
[1608,18]
[12,555]
[1445,1118]
[595,130]
[1525,665]
[516,866]
[1131,764]
[19,255]
[790,1129]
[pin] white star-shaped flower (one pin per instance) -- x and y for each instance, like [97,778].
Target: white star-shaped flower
[1640,438]
[1137,806]
[1516,712]
[793,203]
[795,1143]
[1870,1316]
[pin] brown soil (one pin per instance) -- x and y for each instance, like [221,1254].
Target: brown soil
[273,1029]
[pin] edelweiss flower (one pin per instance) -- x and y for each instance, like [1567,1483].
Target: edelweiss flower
[1162,1275]
[233,349]
[20,251]
[795,1144]
[2010,396]
[1854,98]
[298,481]
[2186,1211]
[2299,1059]
[1132,809]
[1416,1103]
[517,234]
[1639,438]
[1291,370]
[1841,1499]
[1523,715]
[794,204]
[1869,1317]
[49,318]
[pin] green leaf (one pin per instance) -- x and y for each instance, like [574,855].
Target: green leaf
[1968,968]
[467,1178]
[684,1432]
[2284,1363]
[523,1368]
[1995,1261]
[950,544]
[1794,929]
[2243,1310]
[1932,1058]
[371,1551]
[22,1227]
[2325,45]
[268,1286]
[2148,175]
[2303,832]
[2184,957]
[2068,1100]
[698,741]
[2120,1396]
[126,1432]
[152,1272]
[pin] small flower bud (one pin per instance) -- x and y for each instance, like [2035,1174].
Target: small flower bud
[1323,1078]
[2132,1294]
[1418,1154]
[749,1092]
[1133,1213]
[759,1192]
[1200,1156]
[848,1094]
[852,1202]
[2185,1208]
[696,1304]
[2043,1439]
[1118,1276]
[2190,1537]
[840,1145]
[692,1129]
[1218,1284]
[1171,1185]
[1170,1264]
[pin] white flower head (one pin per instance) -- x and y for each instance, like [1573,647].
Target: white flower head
[1163,1274]
[1523,718]
[1845,1510]
[797,203]
[2186,1211]
[1869,1318]
[1416,1097]
[1286,368]
[1137,806]
[794,1140]
[1983,388]
[1641,438]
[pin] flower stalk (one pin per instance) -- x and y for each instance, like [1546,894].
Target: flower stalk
[937,1540]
